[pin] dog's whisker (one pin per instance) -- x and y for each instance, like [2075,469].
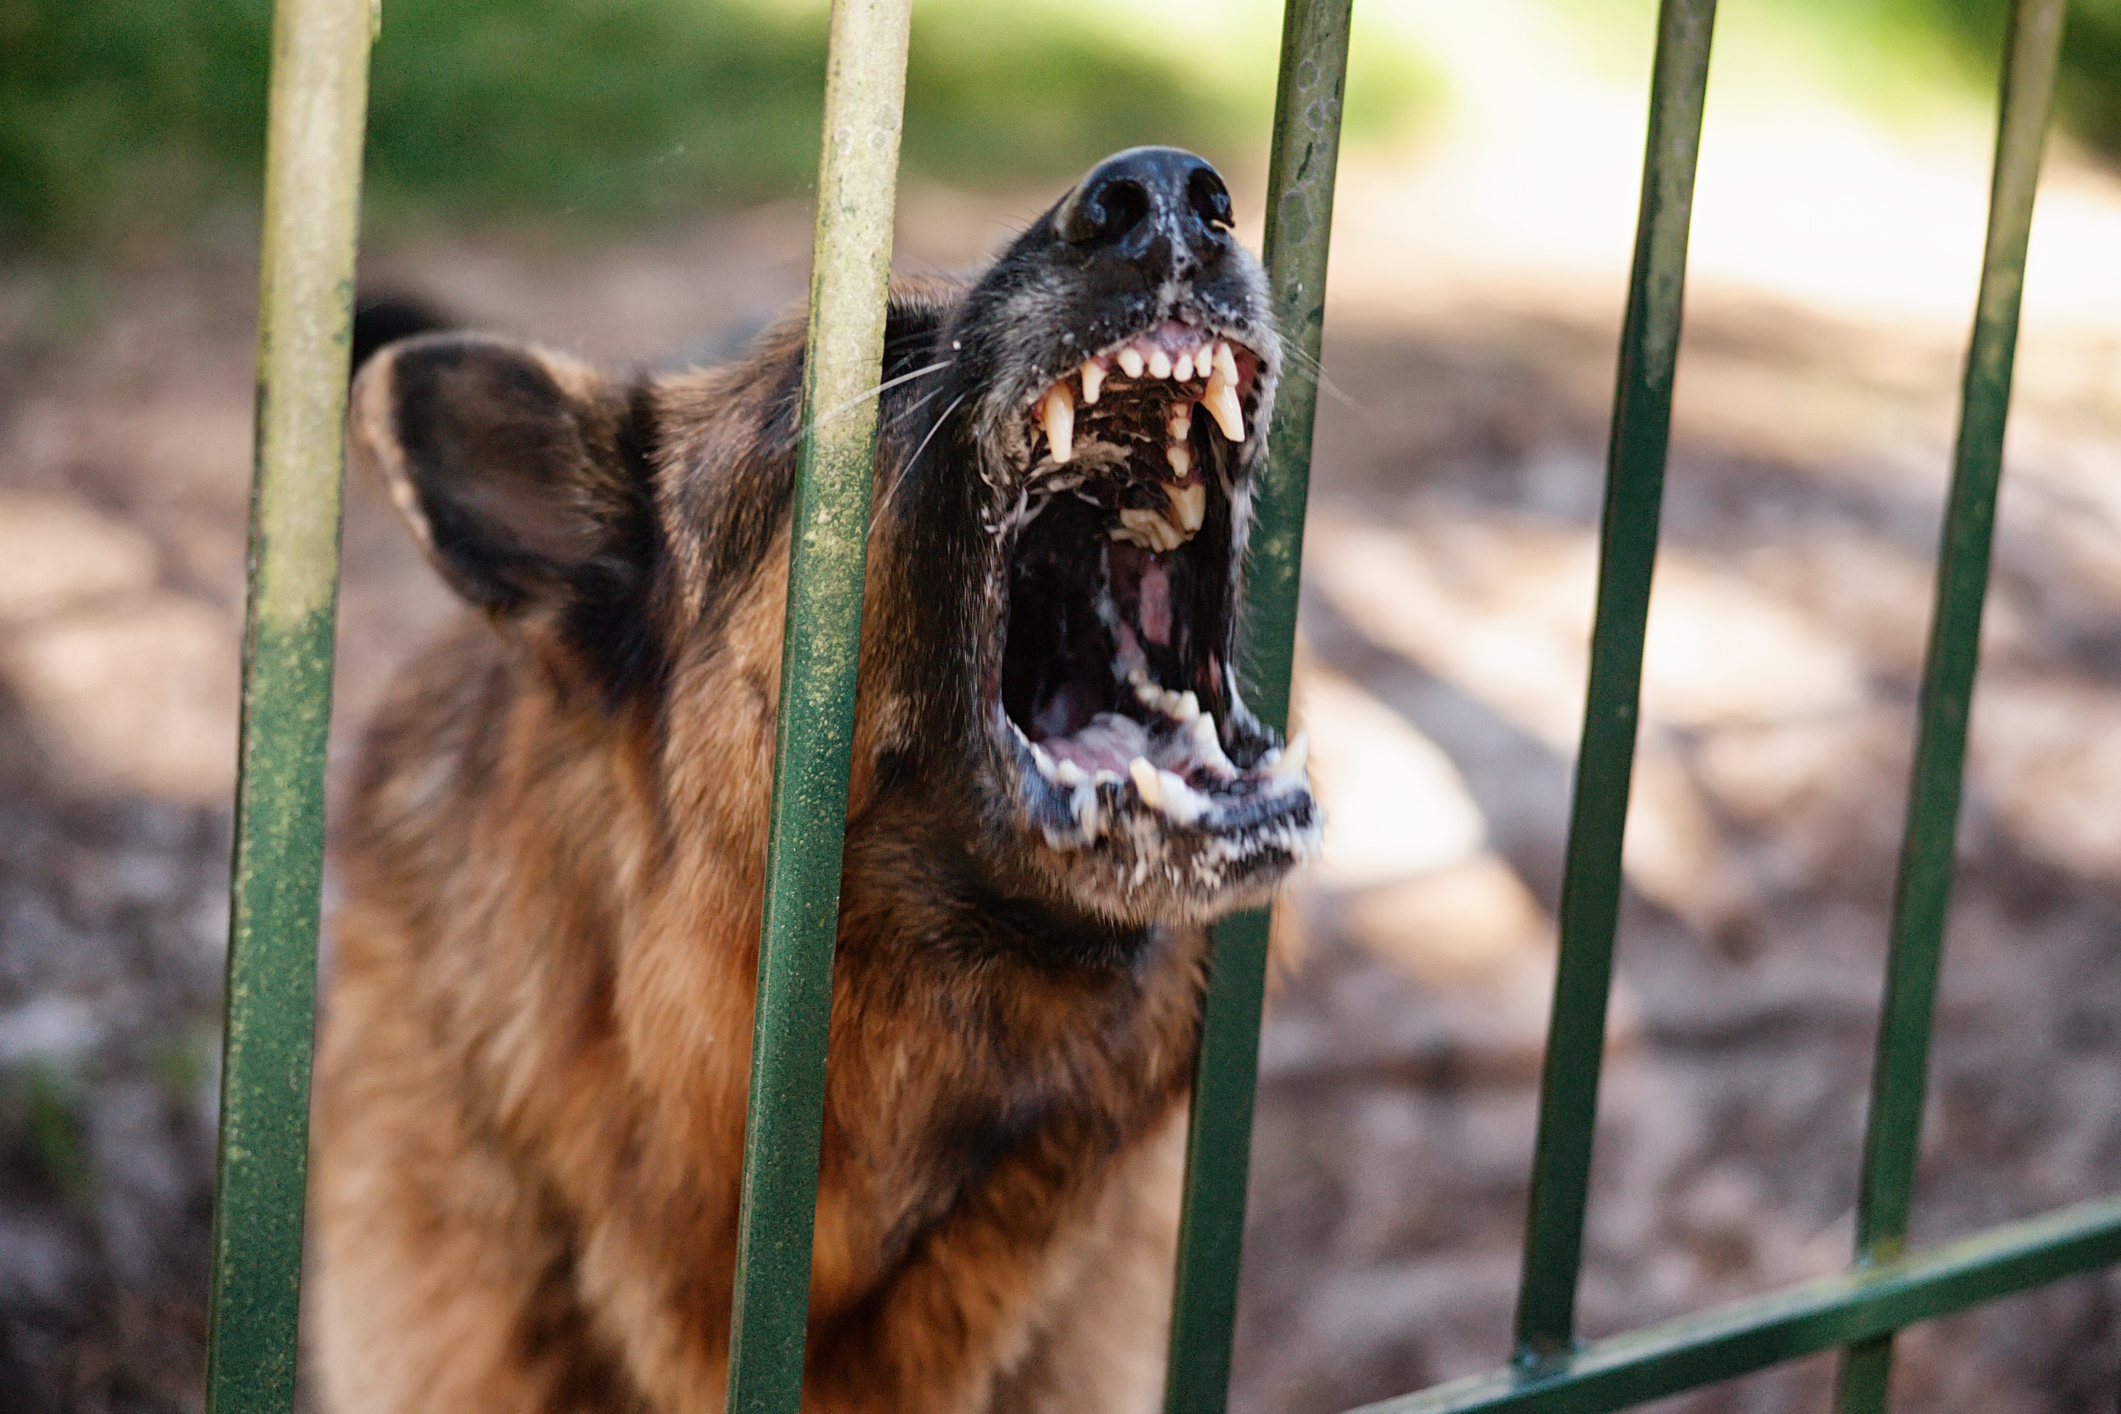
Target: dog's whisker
[884,387]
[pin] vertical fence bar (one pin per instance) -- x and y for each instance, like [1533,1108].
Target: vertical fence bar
[1590,896]
[1301,167]
[865,87]
[318,106]
[1900,1077]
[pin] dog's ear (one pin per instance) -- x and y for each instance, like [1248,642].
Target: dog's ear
[512,465]
[526,477]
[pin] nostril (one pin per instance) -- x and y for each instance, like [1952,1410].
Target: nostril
[1209,198]
[1106,210]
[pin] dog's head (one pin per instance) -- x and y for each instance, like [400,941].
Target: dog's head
[1065,470]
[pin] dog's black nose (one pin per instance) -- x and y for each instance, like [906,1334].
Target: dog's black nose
[1160,210]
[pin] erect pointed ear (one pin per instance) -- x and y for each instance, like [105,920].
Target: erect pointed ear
[526,477]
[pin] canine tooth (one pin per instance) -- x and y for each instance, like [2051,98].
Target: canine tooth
[1058,414]
[1208,746]
[1226,362]
[1146,782]
[1093,379]
[1183,369]
[1130,361]
[1190,503]
[1181,458]
[1286,774]
[1159,364]
[1222,405]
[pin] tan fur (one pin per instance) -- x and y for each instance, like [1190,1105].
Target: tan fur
[532,1082]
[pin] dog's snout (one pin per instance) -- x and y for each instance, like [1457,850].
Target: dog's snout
[1161,211]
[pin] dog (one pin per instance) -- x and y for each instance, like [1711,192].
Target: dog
[532,1077]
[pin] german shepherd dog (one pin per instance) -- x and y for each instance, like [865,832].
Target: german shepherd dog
[532,1083]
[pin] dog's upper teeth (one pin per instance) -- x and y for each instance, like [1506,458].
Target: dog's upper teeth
[1189,503]
[1045,763]
[1221,401]
[1093,380]
[1067,773]
[1058,415]
[1159,364]
[1130,361]
[1183,369]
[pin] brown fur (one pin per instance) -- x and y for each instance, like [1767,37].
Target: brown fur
[531,1086]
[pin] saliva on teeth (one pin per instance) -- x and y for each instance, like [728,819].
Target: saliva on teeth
[1215,365]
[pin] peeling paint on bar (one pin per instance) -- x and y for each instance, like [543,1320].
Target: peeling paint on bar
[1590,894]
[1900,1077]
[850,264]
[1301,168]
[312,201]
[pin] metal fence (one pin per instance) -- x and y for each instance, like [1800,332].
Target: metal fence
[312,195]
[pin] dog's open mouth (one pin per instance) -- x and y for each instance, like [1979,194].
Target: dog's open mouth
[1115,676]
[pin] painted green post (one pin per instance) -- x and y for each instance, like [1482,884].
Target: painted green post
[1720,1344]
[1901,1075]
[850,264]
[312,201]
[1305,153]
[1590,896]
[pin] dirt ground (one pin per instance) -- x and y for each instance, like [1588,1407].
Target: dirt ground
[1452,552]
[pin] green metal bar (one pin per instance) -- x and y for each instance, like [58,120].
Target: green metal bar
[1590,896]
[1900,1078]
[318,106]
[1785,1325]
[1301,166]
[865,87]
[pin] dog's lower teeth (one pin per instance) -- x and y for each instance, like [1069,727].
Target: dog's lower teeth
[1287,774]
[1146,782]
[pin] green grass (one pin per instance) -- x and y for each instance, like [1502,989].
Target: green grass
[124,121]
[118,119]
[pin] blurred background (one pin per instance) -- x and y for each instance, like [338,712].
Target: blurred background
[629,181]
